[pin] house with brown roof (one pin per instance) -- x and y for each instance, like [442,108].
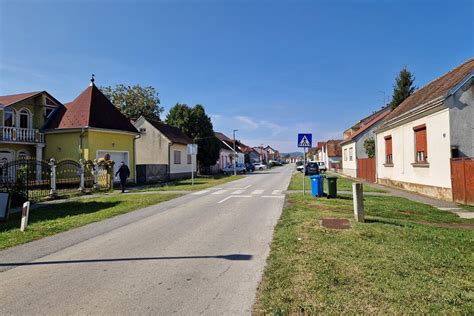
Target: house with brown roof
[22,117]
[416,142]
[352,146]
[330,153]
[162,152]
[226,154]
[89,128]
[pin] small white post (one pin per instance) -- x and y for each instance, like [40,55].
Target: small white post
[192,171]
[52,164]
[81,174]
[358,195]
[24,215]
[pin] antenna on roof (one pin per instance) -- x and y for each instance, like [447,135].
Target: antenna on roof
[92,79]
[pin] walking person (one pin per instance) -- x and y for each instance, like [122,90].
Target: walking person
[123,172]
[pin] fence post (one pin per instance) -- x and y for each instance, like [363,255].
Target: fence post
[52,164]
[81,174]
[110,173]
[95,171]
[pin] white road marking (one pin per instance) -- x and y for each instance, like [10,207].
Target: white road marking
[219,192]
[238,192]
[257,192]
[200,192]
[276,192]
[273,196]
[449,208]
[244,188]
[234,196]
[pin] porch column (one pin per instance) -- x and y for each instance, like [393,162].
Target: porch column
[39,157]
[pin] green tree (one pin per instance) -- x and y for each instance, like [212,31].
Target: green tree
[403,87]
[134,101]
[369,145]
[195,123]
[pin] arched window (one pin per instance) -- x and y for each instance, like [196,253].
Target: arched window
[22,155]
[24,119]
[8,116]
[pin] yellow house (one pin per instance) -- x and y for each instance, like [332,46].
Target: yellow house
[22,116]
[89,128]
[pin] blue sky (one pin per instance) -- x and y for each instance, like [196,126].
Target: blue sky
[268,68]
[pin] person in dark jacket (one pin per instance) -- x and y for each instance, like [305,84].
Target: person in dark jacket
[123,172]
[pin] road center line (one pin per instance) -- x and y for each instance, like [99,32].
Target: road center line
[238,192]
[257,192]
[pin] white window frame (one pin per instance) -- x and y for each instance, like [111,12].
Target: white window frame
[29,120]
[12,111]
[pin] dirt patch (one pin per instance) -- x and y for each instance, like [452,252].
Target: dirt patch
[335,223]
[448,225]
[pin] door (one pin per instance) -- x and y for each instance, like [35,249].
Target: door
[5,157]
[117,157]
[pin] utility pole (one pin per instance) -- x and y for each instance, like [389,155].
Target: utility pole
[235,153]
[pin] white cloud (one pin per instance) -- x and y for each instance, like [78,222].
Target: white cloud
[248,122]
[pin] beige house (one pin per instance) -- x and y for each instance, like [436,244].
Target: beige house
[161,152]
[416,142]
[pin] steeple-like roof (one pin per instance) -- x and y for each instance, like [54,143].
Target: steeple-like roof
[90,109]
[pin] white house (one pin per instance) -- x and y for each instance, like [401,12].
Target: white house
[415,143]
[353,145]
[330,153]
[226,155]
[161,152]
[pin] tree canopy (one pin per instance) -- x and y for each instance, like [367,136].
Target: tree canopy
[403,87]
[134,101]
[369,145]
[194,122]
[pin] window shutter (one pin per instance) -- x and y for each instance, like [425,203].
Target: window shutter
[388,145]
[421,153]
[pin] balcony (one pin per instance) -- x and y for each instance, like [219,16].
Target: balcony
[21,135]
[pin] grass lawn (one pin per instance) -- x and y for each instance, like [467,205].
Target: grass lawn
[200,183]
[401,261]
[53,219]
[343,184]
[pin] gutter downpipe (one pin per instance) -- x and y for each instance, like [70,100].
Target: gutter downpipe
[135,156]
[169,161]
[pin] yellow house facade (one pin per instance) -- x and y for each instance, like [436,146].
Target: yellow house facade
[22,117]
[88,128]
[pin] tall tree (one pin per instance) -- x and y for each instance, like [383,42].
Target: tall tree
[369,145]
[403,87]
[134,101]
[195,123]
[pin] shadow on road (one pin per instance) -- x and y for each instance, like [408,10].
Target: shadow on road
[233,257]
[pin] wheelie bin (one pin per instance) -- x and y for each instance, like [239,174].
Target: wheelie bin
[332,187]
[317,185]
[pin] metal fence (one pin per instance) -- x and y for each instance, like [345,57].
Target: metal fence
[31,179]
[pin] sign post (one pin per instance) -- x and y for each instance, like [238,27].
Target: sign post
[25,212]
[192,150]
[304,141]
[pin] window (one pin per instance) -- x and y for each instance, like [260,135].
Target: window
[48,111]
[22,155]
[421,152]
[8,118]
[190,159]
[350,153]
[177,157]
[345,154]
[24,119]
[388,150]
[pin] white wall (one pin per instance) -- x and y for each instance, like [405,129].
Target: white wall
[152,146]
[349,166]
[183,167]
[403,150]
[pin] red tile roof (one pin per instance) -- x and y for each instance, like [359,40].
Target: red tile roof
[365,126]
[90,109]
[334,148]
[7,100]
[437,88]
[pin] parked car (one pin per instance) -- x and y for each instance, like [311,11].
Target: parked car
[260,166]
[250,167]
[300,166]
[239,168]
[321,166]
[276,162]
[312,168]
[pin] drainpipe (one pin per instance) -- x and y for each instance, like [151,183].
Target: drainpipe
[81,136]
[135,156]
[169,161]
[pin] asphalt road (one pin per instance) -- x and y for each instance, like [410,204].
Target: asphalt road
[203,253]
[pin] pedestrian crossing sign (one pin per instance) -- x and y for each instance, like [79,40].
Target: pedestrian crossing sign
[305,140]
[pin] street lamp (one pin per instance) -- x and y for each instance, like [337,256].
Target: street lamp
[235,153]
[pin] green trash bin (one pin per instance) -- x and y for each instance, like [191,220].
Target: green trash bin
[332,187]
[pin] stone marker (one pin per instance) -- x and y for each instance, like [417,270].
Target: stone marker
[358,195]
[25,212]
